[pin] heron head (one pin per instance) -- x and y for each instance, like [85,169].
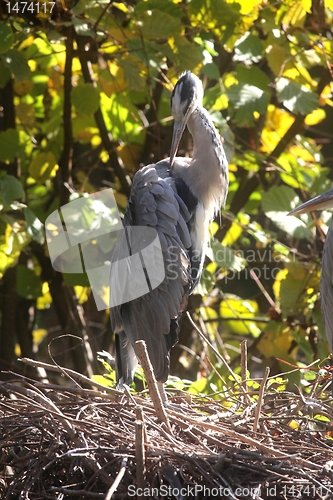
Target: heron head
[318,203]
[186,97]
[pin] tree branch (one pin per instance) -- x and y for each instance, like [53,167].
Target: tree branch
[108,143]
[65,162]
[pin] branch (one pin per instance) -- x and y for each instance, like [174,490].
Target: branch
[65,162]
[106,136]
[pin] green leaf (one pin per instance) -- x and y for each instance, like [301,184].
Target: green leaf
[247,99]
[9,143]
[211,70]
[85,98]
[184,53]
[83,28]
[213,13]
[10,189]
[28,284]
[292,286]
[5,74]
[42,166]
[276,203]
[17,64]
[296,97]
[248,48]
[33,226]
[77,279]
[132,74]
[252,76]
[235,307]
[225,257]
[250,94]
[161,5]
[157,24]
[6,37]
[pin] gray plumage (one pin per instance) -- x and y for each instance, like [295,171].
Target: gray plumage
[322,202]
[178,197]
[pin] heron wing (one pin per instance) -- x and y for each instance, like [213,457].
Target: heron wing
[155,203]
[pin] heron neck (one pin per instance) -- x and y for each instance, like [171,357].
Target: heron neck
[208,171]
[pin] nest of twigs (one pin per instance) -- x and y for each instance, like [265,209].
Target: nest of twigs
[67,443]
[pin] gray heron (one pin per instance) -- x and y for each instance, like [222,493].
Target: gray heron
[178,197]
[323,202]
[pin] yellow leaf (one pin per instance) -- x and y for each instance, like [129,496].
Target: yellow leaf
[294,424]
[248,6]
[302,153]
[307,4]
[39,335]
[55,80]
[236,229]
[26,114]
[45,301]
[85,135]
[315,117]
[213,228]
[275,343]
[129,155]
[82,292]
[281,275]
[295,15]
[325,96]
[100,379]
[117,86]
[277,123]
[233,234]
[305,74]
[23,88]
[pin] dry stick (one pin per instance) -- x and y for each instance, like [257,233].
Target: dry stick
[225,431]
[116,482]
[246,396]
[264,292]
[139,448]
[216,352]
[155,395]
[260,399]
[70,373]
[46,404]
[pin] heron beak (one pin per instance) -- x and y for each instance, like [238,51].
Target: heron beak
[319,203]
[178,130]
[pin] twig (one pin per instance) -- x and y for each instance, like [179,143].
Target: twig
[246,396]
[260,399]
[155,395]
[224,431]
[119,477]
[45,403]
[102,14]
[69,372]
[264,292]
[139,448]
[216,352]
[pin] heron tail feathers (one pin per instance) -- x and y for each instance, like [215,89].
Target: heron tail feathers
[126,360]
